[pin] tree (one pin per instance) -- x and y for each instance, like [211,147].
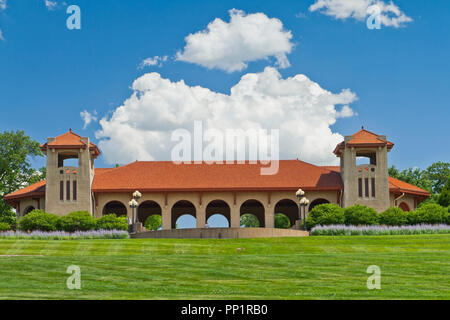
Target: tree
[15,169]
[439,174]
[444,197]
[153,222]
[281,221]
[249,221]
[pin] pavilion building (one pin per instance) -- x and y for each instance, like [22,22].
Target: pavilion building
[202,190]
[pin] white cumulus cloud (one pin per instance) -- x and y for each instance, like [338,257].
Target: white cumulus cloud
[390,14]
[141,127]
[88,117]
[153,61]
[231,45]
[51,5]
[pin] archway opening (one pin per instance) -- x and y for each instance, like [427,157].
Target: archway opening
[153,222]
[255,208]
[28,210]
[289,208]
[316,202]
[281,221]
[218,214]
[147,209]
[183,208]
[185,221]
[404,206]
[116,207]
[249,220]
[218,221]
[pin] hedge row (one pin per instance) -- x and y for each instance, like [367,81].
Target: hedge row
[75,221]
[332,214]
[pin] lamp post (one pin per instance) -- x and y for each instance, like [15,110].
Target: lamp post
[133,205]
[304,203]
[300,194]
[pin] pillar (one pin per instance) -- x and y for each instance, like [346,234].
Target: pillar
[269,216]
[166,215]
[200,215]
[235,216]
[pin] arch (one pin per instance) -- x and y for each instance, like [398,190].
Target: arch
[28,210]
[289,208]
[116,207]
[404,206]
[218,220]
[281,221]
[317,202]
[253,207]
[218,207]
[181,208]
[147,209]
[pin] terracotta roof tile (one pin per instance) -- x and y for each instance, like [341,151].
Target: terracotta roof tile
[34,189]
[363,138]
[69,139]
[167,176]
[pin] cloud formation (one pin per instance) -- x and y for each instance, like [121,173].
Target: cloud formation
[141,127]
[390,14]
[231,45]
[2,4]
[156,60]
[51,5]
[88,117]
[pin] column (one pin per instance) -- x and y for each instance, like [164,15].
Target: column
[269,216]
[166,216]
[201,216]
[235,216]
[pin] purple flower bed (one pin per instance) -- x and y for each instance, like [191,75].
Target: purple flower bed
[343,230]
[62,235]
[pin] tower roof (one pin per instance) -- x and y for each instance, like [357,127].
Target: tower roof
[363,138]
[69,140]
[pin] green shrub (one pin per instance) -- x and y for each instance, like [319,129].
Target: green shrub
[153,222]
[393,217]
[432,213]
[412,218]
[4,226]
[325,214]
[281,221]
[360,215]
[76,221]
[112,222]
[38,220]
[9,218]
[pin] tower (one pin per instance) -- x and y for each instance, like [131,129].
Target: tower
[366,182]
[70,172]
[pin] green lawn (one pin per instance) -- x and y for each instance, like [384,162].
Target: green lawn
[412,267]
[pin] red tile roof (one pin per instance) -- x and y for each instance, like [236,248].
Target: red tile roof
[399,186]
[167,176]
[395,185]
[147,176]
[36,189]
[363,138]
[69,140]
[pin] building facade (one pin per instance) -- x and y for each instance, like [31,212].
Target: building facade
[202,190]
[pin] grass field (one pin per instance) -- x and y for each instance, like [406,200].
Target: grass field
[412,267]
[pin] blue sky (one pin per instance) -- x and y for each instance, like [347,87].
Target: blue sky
[49,74]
